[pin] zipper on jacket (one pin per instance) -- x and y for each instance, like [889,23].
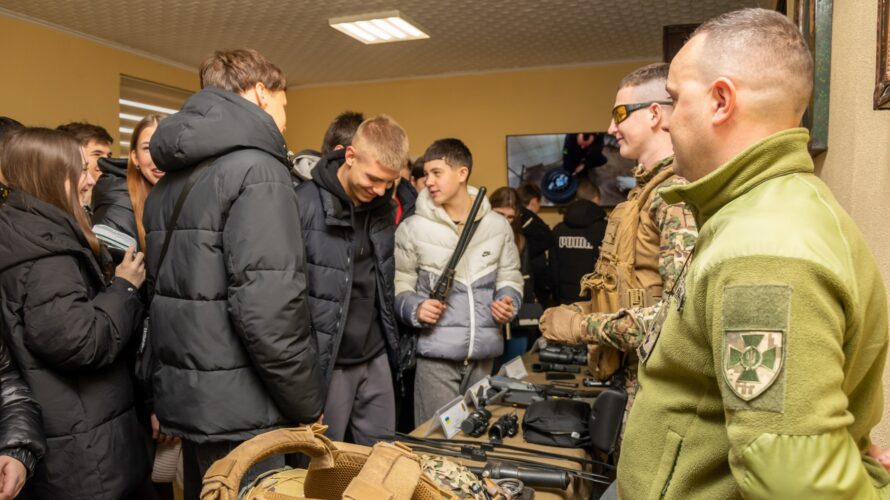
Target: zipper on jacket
[472,311]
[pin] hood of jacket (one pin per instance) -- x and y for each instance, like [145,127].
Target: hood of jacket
[114,167]
[325,175]
[214,122]
[427,208]
[34,229]
[583,213]
[111,186]
[303,162]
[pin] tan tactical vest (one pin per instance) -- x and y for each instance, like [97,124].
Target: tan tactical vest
[626,274]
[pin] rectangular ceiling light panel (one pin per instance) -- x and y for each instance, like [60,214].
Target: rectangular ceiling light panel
[382,27]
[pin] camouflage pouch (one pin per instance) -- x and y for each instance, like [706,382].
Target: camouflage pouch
[452,476]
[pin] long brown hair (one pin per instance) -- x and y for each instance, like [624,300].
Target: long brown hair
[137,185]
[38,161]
[507,197]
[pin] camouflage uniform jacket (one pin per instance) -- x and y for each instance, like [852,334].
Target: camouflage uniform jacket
[625,328]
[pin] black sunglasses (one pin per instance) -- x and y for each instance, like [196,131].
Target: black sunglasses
[622,111]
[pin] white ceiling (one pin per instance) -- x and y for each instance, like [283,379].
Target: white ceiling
[466,35]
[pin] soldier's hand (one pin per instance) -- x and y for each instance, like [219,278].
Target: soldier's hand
[562,324]
[429,311]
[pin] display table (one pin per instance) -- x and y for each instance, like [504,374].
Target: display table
[577,488]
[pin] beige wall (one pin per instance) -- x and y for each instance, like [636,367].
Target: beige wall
[479,109]
[50,77]
[857,165]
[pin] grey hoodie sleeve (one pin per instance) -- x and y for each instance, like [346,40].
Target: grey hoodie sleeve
[267,293]
[509,278]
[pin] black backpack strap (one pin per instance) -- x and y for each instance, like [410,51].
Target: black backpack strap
[193,177]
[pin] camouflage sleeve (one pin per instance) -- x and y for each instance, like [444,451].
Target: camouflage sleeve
[678,234]
[623,330]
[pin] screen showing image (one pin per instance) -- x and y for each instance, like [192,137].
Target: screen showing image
[557,162]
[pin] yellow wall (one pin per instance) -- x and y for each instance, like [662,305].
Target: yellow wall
[479,109]
[50,77]
[857,165]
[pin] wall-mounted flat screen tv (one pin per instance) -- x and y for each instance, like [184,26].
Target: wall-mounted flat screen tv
[557,162]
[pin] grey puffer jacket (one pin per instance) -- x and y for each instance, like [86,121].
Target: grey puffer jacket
[488,271]
[230,329]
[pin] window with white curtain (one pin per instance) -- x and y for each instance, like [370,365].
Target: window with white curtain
[139,98]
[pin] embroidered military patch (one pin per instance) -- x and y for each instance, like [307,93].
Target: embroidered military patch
[755,340]
[752,361]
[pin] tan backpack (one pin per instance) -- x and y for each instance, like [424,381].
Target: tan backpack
[337,470]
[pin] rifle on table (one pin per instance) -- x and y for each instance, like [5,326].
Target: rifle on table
[446,279]
[522,460]
[511,392]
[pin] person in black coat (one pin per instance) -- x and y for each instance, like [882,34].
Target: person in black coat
[111,201]
[406,197]
[578,240]
[67,324]
[347,217]
[230,325]
[539,239]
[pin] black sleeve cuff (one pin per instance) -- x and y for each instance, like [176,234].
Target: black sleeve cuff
[24,456]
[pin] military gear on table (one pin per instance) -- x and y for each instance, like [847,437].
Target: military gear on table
[766,380]
[453,476]
[336,471]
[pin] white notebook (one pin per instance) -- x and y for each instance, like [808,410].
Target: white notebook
[113,238]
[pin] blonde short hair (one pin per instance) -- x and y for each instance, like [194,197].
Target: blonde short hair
[385,138]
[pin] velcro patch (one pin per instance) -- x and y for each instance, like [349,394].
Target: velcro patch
[755,328]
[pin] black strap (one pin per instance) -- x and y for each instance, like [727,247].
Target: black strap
[193,177]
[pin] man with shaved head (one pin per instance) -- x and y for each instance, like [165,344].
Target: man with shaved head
[765,380]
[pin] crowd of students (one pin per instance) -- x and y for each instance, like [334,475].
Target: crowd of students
[265,288]
[269,289]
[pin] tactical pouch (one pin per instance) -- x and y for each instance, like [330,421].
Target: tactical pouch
[603,361]
[336,470]
[557,422]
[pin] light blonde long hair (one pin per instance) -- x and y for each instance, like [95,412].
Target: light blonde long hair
[137,185]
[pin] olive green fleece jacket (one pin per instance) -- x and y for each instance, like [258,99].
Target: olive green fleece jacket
[765,381]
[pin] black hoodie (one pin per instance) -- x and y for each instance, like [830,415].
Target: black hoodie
[578,239]
[349,256]
[362,340]
[230,320]
[68,330]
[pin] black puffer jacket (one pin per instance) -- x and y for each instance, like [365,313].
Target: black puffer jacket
[407,196]
[578,240]
[328,233]
[68,330]
[21,430]
[230,319]
[111,199]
